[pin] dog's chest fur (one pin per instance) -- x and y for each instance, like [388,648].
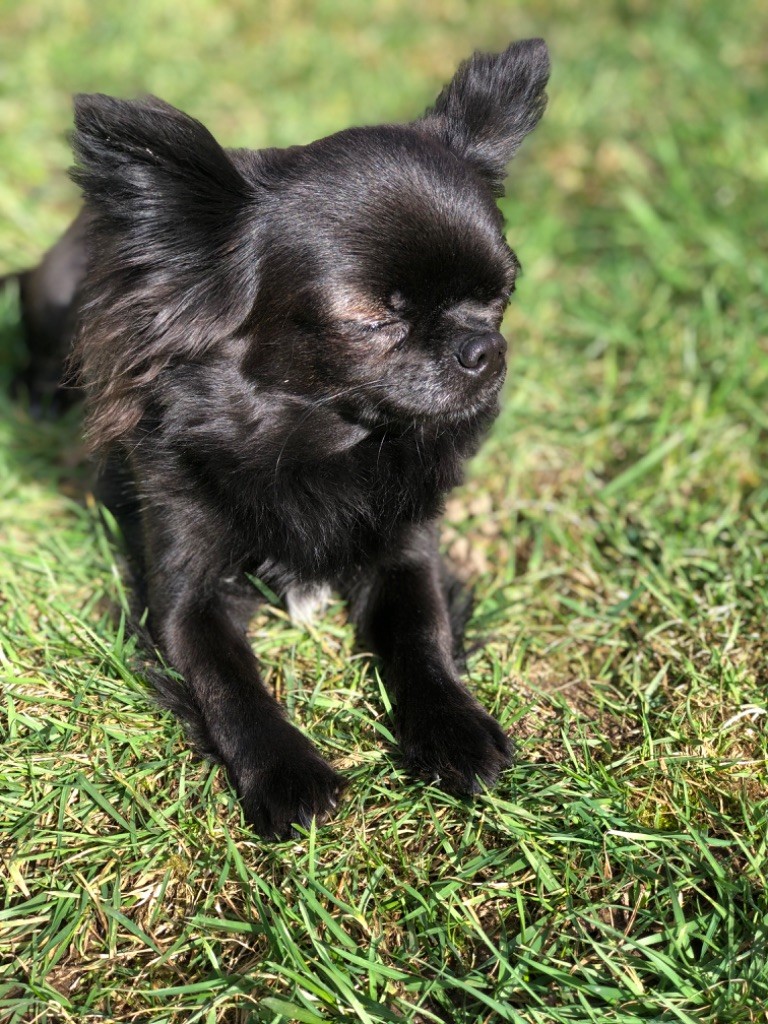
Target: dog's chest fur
[319,519]
[293,485]
[308,497]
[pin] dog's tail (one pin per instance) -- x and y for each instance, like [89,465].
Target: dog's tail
[48,297]
[12,275]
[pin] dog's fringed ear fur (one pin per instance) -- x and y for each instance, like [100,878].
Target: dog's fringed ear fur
[490,105]
[171,269]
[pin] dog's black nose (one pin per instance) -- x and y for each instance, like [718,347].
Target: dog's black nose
[483,353]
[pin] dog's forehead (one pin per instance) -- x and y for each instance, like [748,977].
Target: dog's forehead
[381,211]
[395,175]
[402,275]
[437,260]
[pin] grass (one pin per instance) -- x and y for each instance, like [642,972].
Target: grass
[615,527]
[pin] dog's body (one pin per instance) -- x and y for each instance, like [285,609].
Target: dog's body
[287,357]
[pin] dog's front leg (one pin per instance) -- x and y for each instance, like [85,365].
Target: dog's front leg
[280,777]
[401,608]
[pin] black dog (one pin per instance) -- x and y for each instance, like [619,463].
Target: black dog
[287,356]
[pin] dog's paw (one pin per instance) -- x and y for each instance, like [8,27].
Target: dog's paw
[456,744]
[289,787]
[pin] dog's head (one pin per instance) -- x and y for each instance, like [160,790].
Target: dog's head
[367,271]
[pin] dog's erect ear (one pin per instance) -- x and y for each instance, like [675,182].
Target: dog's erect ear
[168,197]
[147,152]
[490,105]
[172,267]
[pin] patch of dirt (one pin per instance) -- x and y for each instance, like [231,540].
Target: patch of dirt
[559,711]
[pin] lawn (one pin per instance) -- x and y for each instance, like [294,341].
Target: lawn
[615,529]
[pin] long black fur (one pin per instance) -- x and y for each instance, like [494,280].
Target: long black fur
[288,356]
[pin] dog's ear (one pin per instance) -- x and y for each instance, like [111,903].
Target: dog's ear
[171,261]
[168,198]
[148,152]
[490,105]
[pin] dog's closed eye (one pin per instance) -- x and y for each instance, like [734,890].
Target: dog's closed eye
[390,332]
